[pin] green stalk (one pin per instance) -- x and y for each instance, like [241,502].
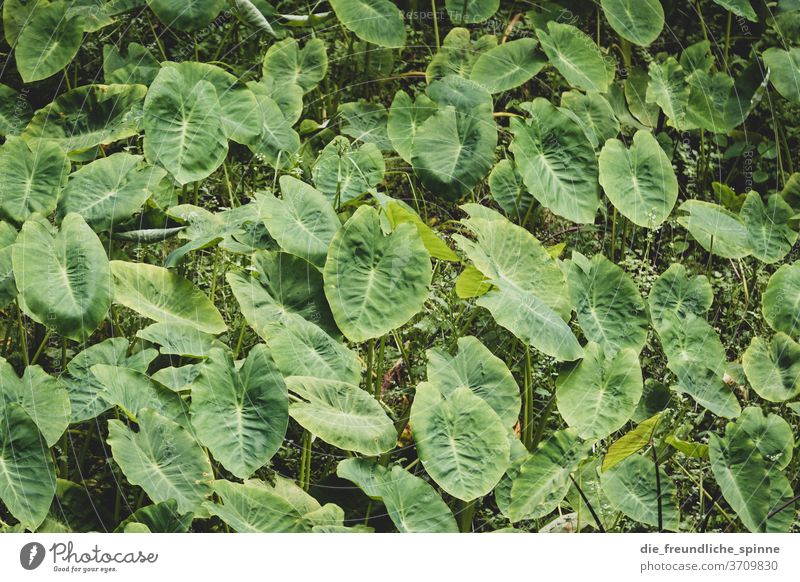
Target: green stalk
[658,491]
[238,347]
[727,41]
[370,364]
[40,349]
[379,368]
[23,337]
[613,234]
[305,461]
[435,23]
[527,428]
[466,514]
[214,274]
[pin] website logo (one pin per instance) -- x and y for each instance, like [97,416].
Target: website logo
[31,555]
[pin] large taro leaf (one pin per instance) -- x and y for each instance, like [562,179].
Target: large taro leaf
[161,295]
[137,65]
[366,122]
[179,339]
[781,298]
[287,64]
[509,191]
[86,393]
[30,178]
[412,504]
[303,221]
[183,124]
[639,21]
[631,442]
[741,8]
[669,89]
[15,111]
[542,480]
[677,293]
[406,116]
[8,288]
[344,173]
[163,459]
[461,441]
[110,190]
[594,114]
[27,471]
[458,54]
[281,285]
[508,65]
[375,283]
[639,181]
[773,367]
[746,478]
[159,518]
[783,70]
[718,230]
[258,507]
[770,433]
[241,414]
[471,11]
[529,295]
[378,22]
[696,356]
[556,161]
[40,395]
[186,15]
[302,348]
[461,93]
[63,278]
[476,368]
[454,150]
[399,212]
[277,143]
[717,103]
[239,111]
[341,414]
[48,41]
[631,488]
[770,237]
[88,116]
[576,57]
[598,395]
[610,309]
[134,392]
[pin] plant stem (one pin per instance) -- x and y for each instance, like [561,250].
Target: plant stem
[727,42]
[379,368]
[40,349]
[543,417]
[435,23]
[23,337]
[305,461]
[527,427]
[466,514]
[613,233]
[658,490]
[588,505]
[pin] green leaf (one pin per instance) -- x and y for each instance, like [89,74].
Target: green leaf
[741,8]
[783,66]
[719,231]
[476,368]
[543,478]
[593,113]
[64,278]
[675,292]
[88,116]
[688,448]
[458,54]
[508,189]
[159,518]
[343,173]
[110,190]
[163,459]
[639,181]
[159,294]
[278,143]
[461,441]
[607,302]
[137,65]
[398,212]
[48,41]
[453,151]
[27,472]
[471,11]
[557,162]
[86,393]
[576,57]
[303,222]
[771,435]
[258,507]
[639,21]
[179,339]
[598,395]
[184,129]
[508,65]
[773,368]
[287,64]
[15,111]
[8,287]
[769,236]
[375,283]
[378,22]
[780,298]
[30,178]
[241,414]
[631,442]
[529,298]
[471,283]
[365,122]
[186,15]
[668,88]
[405,119]
[412,504]
[631,488]
[341,414]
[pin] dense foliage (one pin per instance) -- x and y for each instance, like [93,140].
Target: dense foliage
[362,265]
